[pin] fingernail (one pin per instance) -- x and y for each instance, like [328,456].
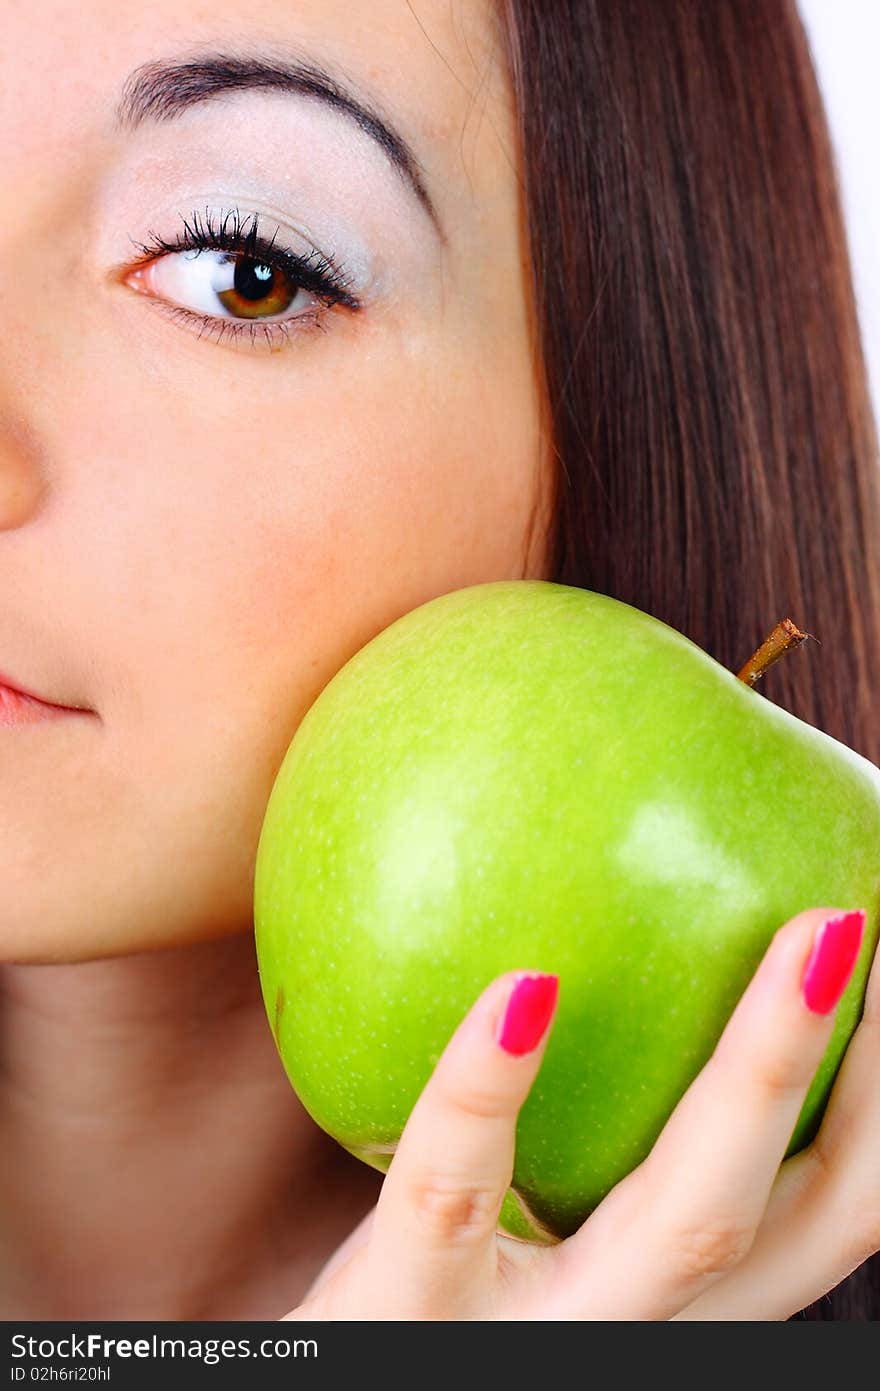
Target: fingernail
[529,1010]
[835,949]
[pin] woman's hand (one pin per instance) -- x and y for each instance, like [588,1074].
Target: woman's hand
[708,1226]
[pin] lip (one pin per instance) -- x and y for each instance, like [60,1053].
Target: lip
[18,706]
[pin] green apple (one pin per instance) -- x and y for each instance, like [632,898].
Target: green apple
[528,775]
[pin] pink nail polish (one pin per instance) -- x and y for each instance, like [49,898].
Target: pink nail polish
[529,1010]
[835,949]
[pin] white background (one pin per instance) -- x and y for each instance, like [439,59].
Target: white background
[845,39]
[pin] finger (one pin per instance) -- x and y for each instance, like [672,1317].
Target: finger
[433,1237]
[823,1216]
[690,1212]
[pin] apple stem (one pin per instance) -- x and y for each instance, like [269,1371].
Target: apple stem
[784,637]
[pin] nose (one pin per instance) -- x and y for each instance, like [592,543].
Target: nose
[21,478]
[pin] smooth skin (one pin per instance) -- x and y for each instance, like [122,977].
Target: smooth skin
[194,536]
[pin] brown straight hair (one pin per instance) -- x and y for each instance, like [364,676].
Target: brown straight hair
[696,330]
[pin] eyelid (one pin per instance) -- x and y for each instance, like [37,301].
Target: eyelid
[313,267]
[267,334]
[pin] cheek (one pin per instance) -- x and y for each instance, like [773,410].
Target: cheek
[298,544]
[430,491]
[219,574]
[244,557]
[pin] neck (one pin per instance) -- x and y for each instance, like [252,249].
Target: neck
[155,1162]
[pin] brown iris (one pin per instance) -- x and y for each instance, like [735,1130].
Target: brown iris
[257,290]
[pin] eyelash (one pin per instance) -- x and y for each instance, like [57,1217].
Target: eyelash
[323,276]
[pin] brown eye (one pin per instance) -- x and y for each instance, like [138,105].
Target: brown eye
[221,284]
[258,289]
[227,281]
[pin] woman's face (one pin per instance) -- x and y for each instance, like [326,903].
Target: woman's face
[198,529]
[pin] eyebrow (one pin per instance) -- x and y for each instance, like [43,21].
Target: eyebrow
[161,91]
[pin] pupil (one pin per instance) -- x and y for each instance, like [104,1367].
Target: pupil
[252,279]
